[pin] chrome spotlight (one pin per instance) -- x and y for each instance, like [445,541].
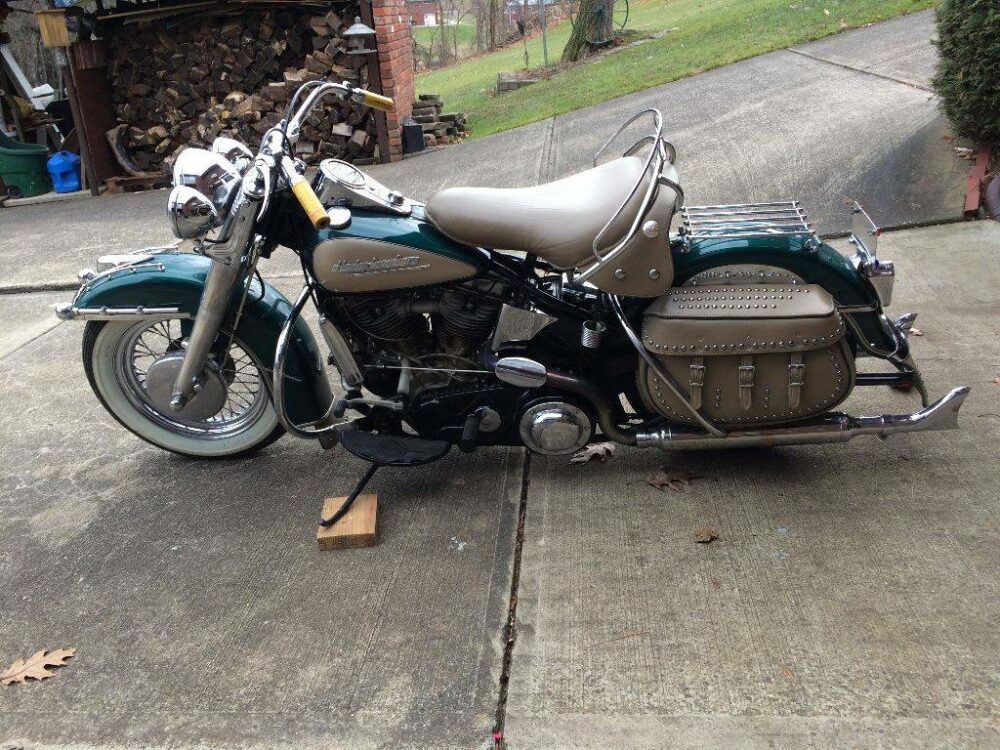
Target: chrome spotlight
[233,151]
[191,213]
[212,175]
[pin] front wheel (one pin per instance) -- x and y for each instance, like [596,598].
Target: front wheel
[116,356]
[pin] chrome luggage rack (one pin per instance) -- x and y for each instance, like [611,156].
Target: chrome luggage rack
[746,221]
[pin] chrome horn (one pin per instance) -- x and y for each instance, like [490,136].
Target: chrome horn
[234,152]
[211,174]
[191,213]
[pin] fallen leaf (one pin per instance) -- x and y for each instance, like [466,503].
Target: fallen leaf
[789,674]
[915,331]
[594,452]
[35,667]
[705,535]
[663,479]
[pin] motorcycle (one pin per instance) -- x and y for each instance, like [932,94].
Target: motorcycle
[547,317]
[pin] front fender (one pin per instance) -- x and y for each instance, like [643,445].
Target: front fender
[176,279]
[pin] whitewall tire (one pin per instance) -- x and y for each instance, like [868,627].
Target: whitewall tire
[115,356]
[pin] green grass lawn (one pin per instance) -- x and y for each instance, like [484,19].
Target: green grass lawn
[700,35]
[424,36]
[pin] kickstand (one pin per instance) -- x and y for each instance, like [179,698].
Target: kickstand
[342,510]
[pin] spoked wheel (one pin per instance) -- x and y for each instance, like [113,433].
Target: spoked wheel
[598,22]
[117,357]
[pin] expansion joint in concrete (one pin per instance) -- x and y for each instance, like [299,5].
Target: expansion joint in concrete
[510,629]
[547,162]
[845,66]
[56,286]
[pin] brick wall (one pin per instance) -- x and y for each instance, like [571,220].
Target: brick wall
[395,58]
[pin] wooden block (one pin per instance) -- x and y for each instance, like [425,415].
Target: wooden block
[359,528]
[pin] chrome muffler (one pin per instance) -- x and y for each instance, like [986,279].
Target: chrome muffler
[833,428]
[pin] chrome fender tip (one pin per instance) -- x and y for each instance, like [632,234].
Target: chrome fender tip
[65,311]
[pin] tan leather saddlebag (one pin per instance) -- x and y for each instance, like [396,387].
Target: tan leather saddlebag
[746,355]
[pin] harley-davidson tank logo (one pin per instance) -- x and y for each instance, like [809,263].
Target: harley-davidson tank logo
[399,263]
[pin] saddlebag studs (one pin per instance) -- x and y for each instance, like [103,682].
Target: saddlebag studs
[752,361]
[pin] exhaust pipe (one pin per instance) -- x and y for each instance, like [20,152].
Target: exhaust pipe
[833,428]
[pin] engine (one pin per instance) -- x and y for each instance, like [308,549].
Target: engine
[438,331]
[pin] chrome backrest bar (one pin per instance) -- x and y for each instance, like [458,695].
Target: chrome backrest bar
[659,153]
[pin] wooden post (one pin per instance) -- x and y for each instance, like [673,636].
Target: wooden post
[90,101]
[375,85]
[87,164]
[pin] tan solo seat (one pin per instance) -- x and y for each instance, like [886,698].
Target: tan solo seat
[557,221]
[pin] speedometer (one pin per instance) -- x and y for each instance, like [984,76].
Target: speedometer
[344,173]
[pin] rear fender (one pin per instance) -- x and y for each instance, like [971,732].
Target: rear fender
[821,265]
[176,280]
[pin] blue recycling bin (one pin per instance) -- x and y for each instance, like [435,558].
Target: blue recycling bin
[64,169]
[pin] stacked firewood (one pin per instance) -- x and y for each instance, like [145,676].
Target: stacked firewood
[187,84]
[439,128]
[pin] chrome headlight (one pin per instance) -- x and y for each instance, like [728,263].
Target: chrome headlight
[191,213]
[233,151]
[212,175]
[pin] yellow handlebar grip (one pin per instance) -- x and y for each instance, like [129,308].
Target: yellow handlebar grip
[377,101]
[310,203]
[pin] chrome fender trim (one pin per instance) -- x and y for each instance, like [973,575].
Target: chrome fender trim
[833,428]
[68,311]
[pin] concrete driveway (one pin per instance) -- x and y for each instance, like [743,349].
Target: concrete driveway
[847,118]
[852,596]
[851,599]
[203,611]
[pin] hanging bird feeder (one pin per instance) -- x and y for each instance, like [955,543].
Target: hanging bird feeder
[358,36]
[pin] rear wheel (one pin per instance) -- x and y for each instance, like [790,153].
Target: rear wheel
[116,356]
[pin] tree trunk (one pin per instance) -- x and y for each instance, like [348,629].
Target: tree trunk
[593,27]
[444,48]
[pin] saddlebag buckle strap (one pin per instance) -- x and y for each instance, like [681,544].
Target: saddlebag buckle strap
[746,381]
[696,380]
[796,379]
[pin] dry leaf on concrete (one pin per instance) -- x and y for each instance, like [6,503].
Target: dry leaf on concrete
[705,534]
[664,479]
[35,667]
[594,452]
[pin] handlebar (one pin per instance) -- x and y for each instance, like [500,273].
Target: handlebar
[306,196]
[279,141]
[358,95]
[373,100]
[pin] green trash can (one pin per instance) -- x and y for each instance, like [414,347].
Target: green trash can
[23,166]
